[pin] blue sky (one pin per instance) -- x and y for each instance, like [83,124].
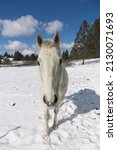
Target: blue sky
[21,20]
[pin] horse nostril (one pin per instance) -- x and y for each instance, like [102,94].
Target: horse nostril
[55,99]
[50,103]
[44,100]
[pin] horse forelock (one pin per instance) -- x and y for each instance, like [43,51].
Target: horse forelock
[50,44]
[49,47]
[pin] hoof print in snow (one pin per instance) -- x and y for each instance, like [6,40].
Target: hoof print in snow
[13,104]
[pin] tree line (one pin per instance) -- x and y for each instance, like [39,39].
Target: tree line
[19,57]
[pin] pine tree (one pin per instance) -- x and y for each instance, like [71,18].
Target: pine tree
[74,54]
[65,55]
[80,40]
[26,58]
[6,55]
[18,56]
[82,34]
[93,41]
[87,41]
[1,56]
[33,57]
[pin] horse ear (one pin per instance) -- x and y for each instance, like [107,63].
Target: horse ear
[39,40]
[57,38]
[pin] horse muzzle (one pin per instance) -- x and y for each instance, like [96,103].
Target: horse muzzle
[50,103]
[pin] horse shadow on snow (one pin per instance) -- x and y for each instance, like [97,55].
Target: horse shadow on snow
[84,100]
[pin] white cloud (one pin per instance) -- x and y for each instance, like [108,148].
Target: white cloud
[32,50]
[67,46]
[25,25]
[15,45]
[27,52]
[53,26]
[34,47]
[25,49]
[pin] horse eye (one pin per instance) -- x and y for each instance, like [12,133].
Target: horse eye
[60,61]
[38,63]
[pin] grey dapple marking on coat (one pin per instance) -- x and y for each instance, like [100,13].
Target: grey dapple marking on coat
[54,78]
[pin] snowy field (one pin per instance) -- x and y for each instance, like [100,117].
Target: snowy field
[21,110]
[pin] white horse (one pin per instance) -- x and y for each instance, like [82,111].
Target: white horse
[54,78]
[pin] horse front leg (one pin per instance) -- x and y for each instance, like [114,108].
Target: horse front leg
[46,116]
[56,110]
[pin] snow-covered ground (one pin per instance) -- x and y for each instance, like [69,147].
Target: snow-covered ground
[21,110]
